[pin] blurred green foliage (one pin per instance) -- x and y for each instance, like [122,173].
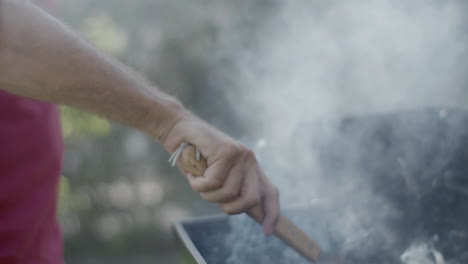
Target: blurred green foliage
[102,31]
[78,125]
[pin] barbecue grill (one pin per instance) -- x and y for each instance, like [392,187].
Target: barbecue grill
[421,171]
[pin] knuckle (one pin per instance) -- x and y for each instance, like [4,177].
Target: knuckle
[194,187]
[228,194]
[252,201]
[250,156]
[235,150]
[215,183]
[274,192]
[229,211]
[204,196]
[232,150]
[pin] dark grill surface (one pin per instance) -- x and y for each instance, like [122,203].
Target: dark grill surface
[217,238]
[417,162]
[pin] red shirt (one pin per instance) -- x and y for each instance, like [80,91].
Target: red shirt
[31,151]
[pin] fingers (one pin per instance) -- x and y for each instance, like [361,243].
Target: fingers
[214,176]
[231,188]
[219,172]
[248,198]
[236,182]
[271,209]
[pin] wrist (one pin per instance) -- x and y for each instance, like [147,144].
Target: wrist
[163,116]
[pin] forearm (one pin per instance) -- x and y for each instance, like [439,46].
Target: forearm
[41,59]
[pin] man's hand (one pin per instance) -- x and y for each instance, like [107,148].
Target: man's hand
[233,178]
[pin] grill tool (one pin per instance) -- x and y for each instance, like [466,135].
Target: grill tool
[285,230]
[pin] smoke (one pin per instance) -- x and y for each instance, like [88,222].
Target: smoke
[312,63]
[422,254]
[320,59]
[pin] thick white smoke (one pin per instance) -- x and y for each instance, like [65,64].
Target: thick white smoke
[320,60]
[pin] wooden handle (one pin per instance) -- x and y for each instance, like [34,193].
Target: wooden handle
[285,230]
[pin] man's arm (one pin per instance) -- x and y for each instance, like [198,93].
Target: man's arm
[40,58]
